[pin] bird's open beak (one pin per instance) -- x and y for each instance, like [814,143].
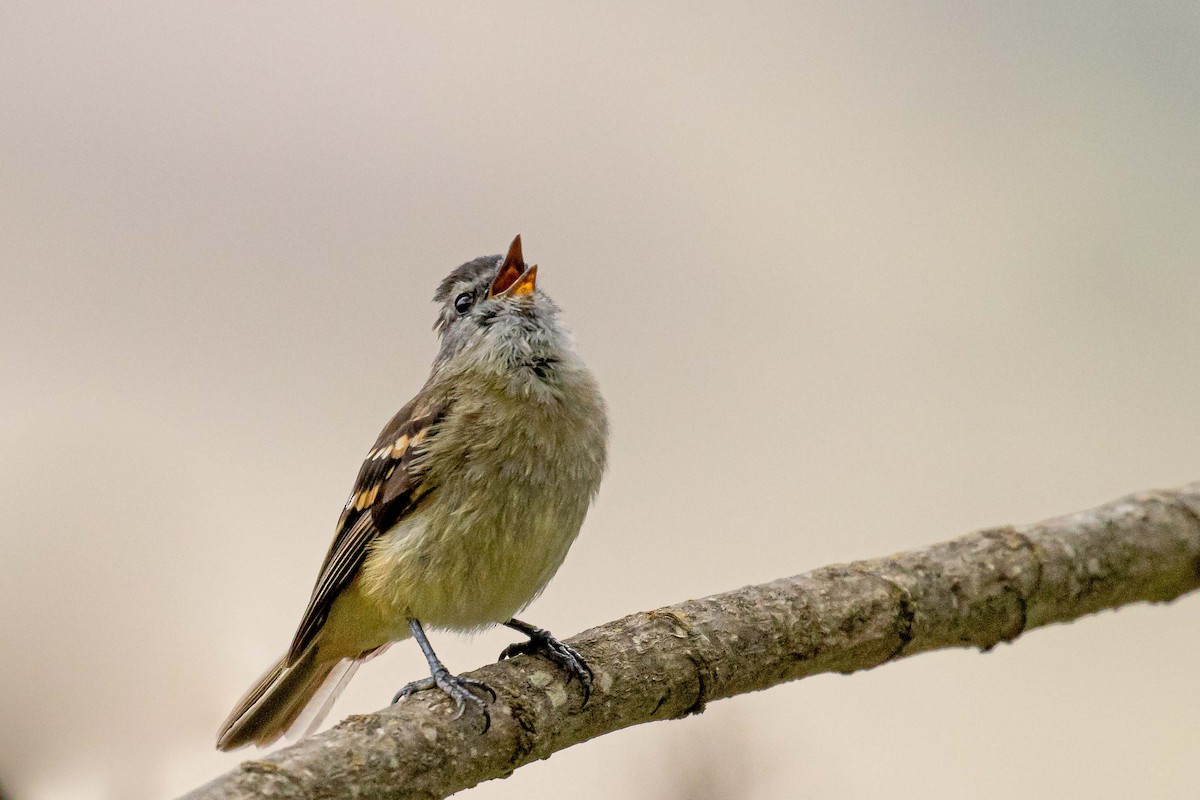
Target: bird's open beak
[514,278]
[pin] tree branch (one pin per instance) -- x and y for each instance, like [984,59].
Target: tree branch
[975,591]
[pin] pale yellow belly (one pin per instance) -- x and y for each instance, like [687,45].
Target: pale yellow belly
[460,575]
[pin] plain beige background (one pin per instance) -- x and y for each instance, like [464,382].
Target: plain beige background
[854,279]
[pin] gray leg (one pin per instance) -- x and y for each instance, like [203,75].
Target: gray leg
[458,688]
[542,643]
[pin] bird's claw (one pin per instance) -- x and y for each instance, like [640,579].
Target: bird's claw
[413,688]
[457,688]
[562,654]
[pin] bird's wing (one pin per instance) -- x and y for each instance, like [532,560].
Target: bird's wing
[390,482]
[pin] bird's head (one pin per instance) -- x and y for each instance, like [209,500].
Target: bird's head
[494,318]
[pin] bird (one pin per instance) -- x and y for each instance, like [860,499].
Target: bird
[462,511]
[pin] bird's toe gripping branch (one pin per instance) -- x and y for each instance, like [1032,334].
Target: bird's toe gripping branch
[563,655]
[459,689]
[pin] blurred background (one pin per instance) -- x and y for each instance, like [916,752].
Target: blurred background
[854,280]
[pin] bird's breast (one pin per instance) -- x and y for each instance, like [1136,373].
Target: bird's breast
[513,480]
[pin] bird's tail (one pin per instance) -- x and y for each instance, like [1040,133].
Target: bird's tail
[274,705]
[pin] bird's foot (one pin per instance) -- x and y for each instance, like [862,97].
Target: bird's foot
[566,657]
[461,690]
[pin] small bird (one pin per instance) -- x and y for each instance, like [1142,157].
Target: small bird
[462,511]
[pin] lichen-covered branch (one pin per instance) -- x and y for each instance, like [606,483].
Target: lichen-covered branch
[975,591]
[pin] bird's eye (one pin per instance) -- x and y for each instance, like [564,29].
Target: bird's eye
[462,303]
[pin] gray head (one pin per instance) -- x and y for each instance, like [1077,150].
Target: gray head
[495,322]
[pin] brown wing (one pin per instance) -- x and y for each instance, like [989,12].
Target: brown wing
[389,483]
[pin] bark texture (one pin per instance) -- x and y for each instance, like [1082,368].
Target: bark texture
[975,591]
